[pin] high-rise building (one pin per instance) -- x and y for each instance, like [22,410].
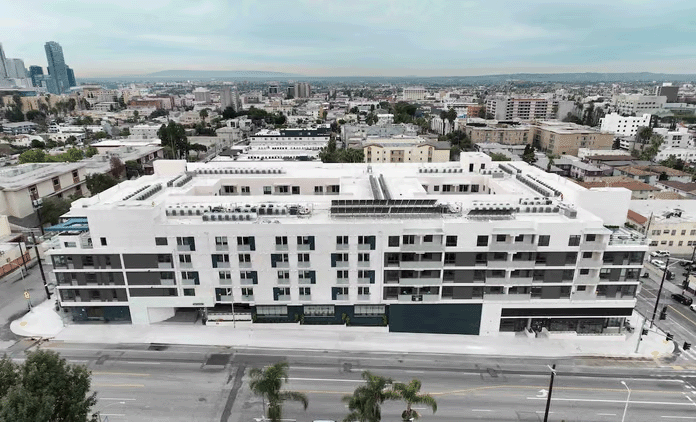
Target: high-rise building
[57,67]
[35,71]
[71,77]
[668,90]
[3,64]
[273,88]
[201,94]
[303,90]
[291,92]
[46,82]
[15,69]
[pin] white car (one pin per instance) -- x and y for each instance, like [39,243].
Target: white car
[659,264]
[659,254]
[693,307]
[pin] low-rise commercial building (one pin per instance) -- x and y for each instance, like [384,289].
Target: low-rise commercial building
[669,224]
[560,138]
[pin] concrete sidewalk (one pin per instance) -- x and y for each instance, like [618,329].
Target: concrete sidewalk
[45,322]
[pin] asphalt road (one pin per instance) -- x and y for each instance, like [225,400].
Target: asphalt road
[12,302]
[681,321]
[179,383]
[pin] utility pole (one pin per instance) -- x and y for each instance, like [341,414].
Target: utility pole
[685,284]
[38,259]
[659,292]
[548,399]
[24,261]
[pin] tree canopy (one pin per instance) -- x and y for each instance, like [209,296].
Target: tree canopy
[52,208]
[410,393]
[39,156]
[268,383]
[365,404]
[331,154]
[495,156]
[99,182]
[45,388]
[528,155]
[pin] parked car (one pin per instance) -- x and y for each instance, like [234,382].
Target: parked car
[659,264]
[693,307]
[682,299]
[659,254]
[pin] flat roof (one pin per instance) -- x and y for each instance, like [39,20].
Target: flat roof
[24,175]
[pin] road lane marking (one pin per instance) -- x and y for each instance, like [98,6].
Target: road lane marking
[115,398]
[481,410]
[77,361]
[606,414]
[324,379]
[614,401]
[113,414]
[415,372]
[678,417]
[119,385]
[128,374]
[677,311]
[148,363]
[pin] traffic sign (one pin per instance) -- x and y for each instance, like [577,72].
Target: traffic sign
[26,295]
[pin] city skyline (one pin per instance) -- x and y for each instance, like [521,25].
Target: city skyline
[382,38]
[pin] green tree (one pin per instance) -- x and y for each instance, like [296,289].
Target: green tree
[133,168]
[204,114]
[365,404]
[648,153]
[45,388]
[571,118]
[495,156]
[35,143]
[99,182]
[328,154]
[117,167]
[73,155]
[32,156]
[125,132]
[451,115]
[91,151]
[229,113]
[371,119]
[410,393]
[174,136]
[643,134]
[551,162]
[267,383]
[52,208]
[528,155]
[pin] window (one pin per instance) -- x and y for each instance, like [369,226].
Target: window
[341,257]
[305,291]
[247,241]
[282,189]
[190,275]
[366,240]
[56,182]
[103,241]
[692,232]
[271,310]
[244,257]
[343,240]
[409,239]
[161,241]
[306,275]
[587,255]
[186,241]
[249,291]
[674,232]
[500,238]
[683,232]
[363,290]
[584,271]
[436,188]
[342,274]
[302,257]
[574,240]
[393,241]
[229,189]
[482,241]
[581,288]
[363,257]
[319,310]
[334,188]
[246,190]
[369,310]
[590,237]
[248,275]
[340,290]
[283,275]
[295,190]
[474,188]
[267,190]
[428,238]
[185,259]
[544,240]
[305,240]
[281,240]
[189,292]
[224,275]
[369,274]
[221,240]
[318,189]
[451,241]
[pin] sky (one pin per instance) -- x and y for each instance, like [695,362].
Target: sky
[355,37]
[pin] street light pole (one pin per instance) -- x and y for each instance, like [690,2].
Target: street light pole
[38,259]
[659,292]
[685,283]
[548,399]
[628,399]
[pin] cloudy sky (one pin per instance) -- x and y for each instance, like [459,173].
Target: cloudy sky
[355,37]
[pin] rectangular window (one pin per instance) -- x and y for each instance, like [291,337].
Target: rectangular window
[574,240]
[224,275]
[319,310]
[393,241]
[185,259]
[161,241]
[283,275]
[341,257]
[436,188]
[295,190]
[103,241]
[229,189]
[283,189]
[221,240]
[267,190]
[587,255]
[363,290]
[281,240]
[318,189]
[190,241]
[342,240]
[246,189]
[369,310]
[244,257]
[451,241]
[271,310]
[590,237]
[482,241]
[305,275]
[334,188]
[305,291]
[342,274]
[248,291]
[305,240]
[584,271]
[500,238]
[189,292]
[409,239]
[544,240]
[363,257]
[302,257]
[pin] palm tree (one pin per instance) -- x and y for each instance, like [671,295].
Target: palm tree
[365,403]
[410,394]
[267,383]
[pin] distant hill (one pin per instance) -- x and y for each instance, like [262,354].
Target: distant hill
[209,74]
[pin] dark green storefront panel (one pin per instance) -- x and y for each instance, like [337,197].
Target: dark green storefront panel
[438,319]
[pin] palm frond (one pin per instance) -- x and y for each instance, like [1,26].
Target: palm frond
[295,396]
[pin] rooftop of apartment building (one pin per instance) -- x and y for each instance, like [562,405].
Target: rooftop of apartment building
[191,193]
[619,182]
[663,210]
[566,128]
[25,175]
[651,170]
[610,157]
[689,187]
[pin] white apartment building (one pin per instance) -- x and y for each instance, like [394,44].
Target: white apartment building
[468,247]
[144,131]
[414,93]
[623,126]
[291,137]
[686,154]
[509,108]
[385,119]
[201,95]
[680,138]
[636,104]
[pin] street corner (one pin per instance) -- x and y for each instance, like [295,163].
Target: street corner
[41,321]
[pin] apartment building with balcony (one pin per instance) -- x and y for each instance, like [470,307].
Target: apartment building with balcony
[469,247]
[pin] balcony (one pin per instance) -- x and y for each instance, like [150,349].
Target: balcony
[363,297]
[303,264]
[278,264]
[246,282]
[419,264]
[243,247]
[189,282]
[165,265]
[342,281]
[222,264]
[246,265]
[364,280]
[281,247]
[306,298]
[341,264]
[363,264]
[364,247]
[183,248]
[519,281]
[248,298]
[283,298]
[418,281]
[423,247]
[512,246]
[226,299]
[185,264]
[304,247]
[342,246]
[222,247]
[342,297]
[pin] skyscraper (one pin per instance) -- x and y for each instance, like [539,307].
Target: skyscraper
[15,68]
[71,77]
[3,63]
[56,64]
[35,71]
[229,97]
